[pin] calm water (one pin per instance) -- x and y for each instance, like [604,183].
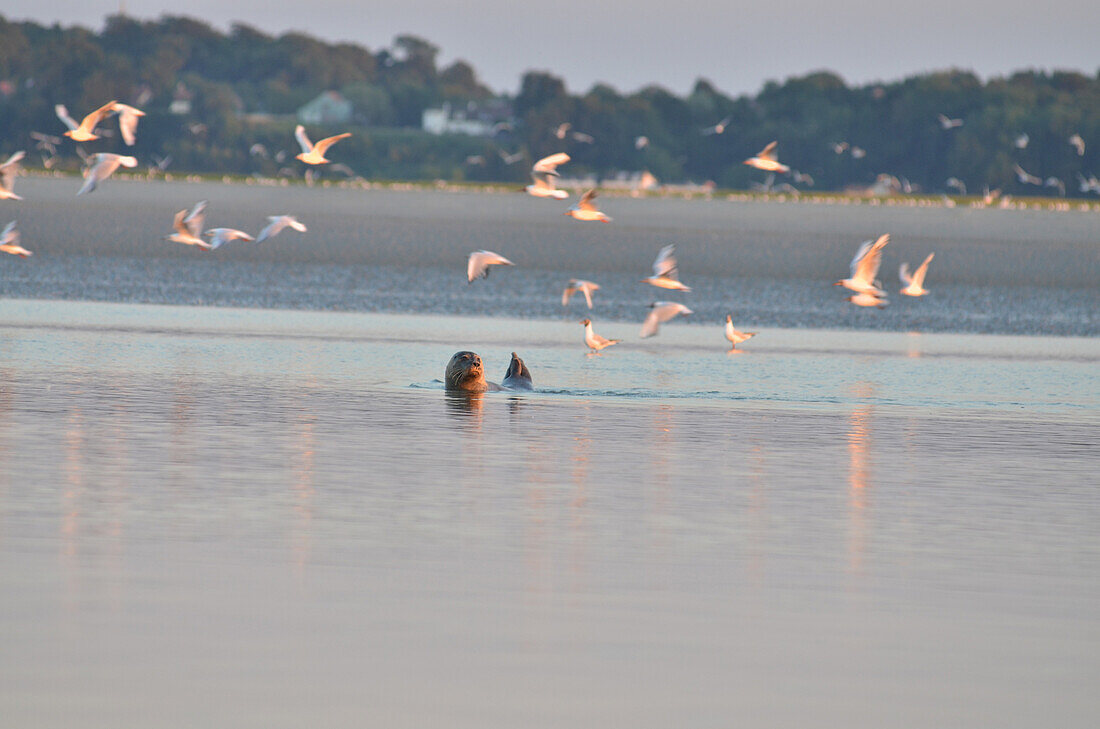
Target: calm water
[226,516]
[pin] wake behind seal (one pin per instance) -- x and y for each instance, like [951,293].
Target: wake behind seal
[466,373]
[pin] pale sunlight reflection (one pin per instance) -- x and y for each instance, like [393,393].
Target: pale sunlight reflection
[578,512]
[182,442]
[537,533]
[302,466]
[662,444]
[7,402]
[913,343]
[72,495]
[859,474]
[758,511]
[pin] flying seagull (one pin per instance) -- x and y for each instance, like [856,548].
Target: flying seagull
[221,236]
[948,123]
[128,121]
[543,174]
[9,241]
[478,264]
[1078,144]
[276,224]
[661,311]
[188,227]
[864,268]
[1024,177]
[103,166]
[585,209]
[718,128]
[767,159]
[314,154]
[8,171]
[665,271]
[579,284]
[914,285]
[85,130]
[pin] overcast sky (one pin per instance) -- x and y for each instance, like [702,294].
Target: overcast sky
[628,44]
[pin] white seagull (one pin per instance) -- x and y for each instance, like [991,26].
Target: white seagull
[1024,177]
[579,284]
[948,123]
[1078,144]
[128,121]
[585,209]
[188,227]
[85,130]
[543,174]
[767,159]
[276,224]
[864,268]
[8,171]
[221,236]
[914,285]
[594,341]
[9,241]
[103,167]
[661,311]
[720,127]
[665,272]
[735,336]
[956,183]
[314,154]
[478,264]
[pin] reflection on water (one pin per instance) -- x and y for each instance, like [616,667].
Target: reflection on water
[859,478]
[171,530]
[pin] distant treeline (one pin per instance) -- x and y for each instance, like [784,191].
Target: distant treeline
[243,88]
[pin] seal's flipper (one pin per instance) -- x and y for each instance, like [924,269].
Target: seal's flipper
[518,377]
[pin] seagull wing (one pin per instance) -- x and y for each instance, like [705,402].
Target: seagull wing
[9,170]
[89,122]
[586,289]
[651,324]
[9,234]
[194,220]
[63,115]
[128,121]
[665,265]
[550,164]
[768,152]
[178,224]
[567,294]
[585,203]
[303,140]
[327,142]
[866,263]
[922,271]
[903,274]
[103,168]
[272,229]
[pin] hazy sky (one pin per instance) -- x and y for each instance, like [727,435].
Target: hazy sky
[737,45]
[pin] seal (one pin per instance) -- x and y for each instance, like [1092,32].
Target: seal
[518,377]
[465,373]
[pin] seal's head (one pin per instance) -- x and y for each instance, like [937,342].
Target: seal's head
[464,372]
